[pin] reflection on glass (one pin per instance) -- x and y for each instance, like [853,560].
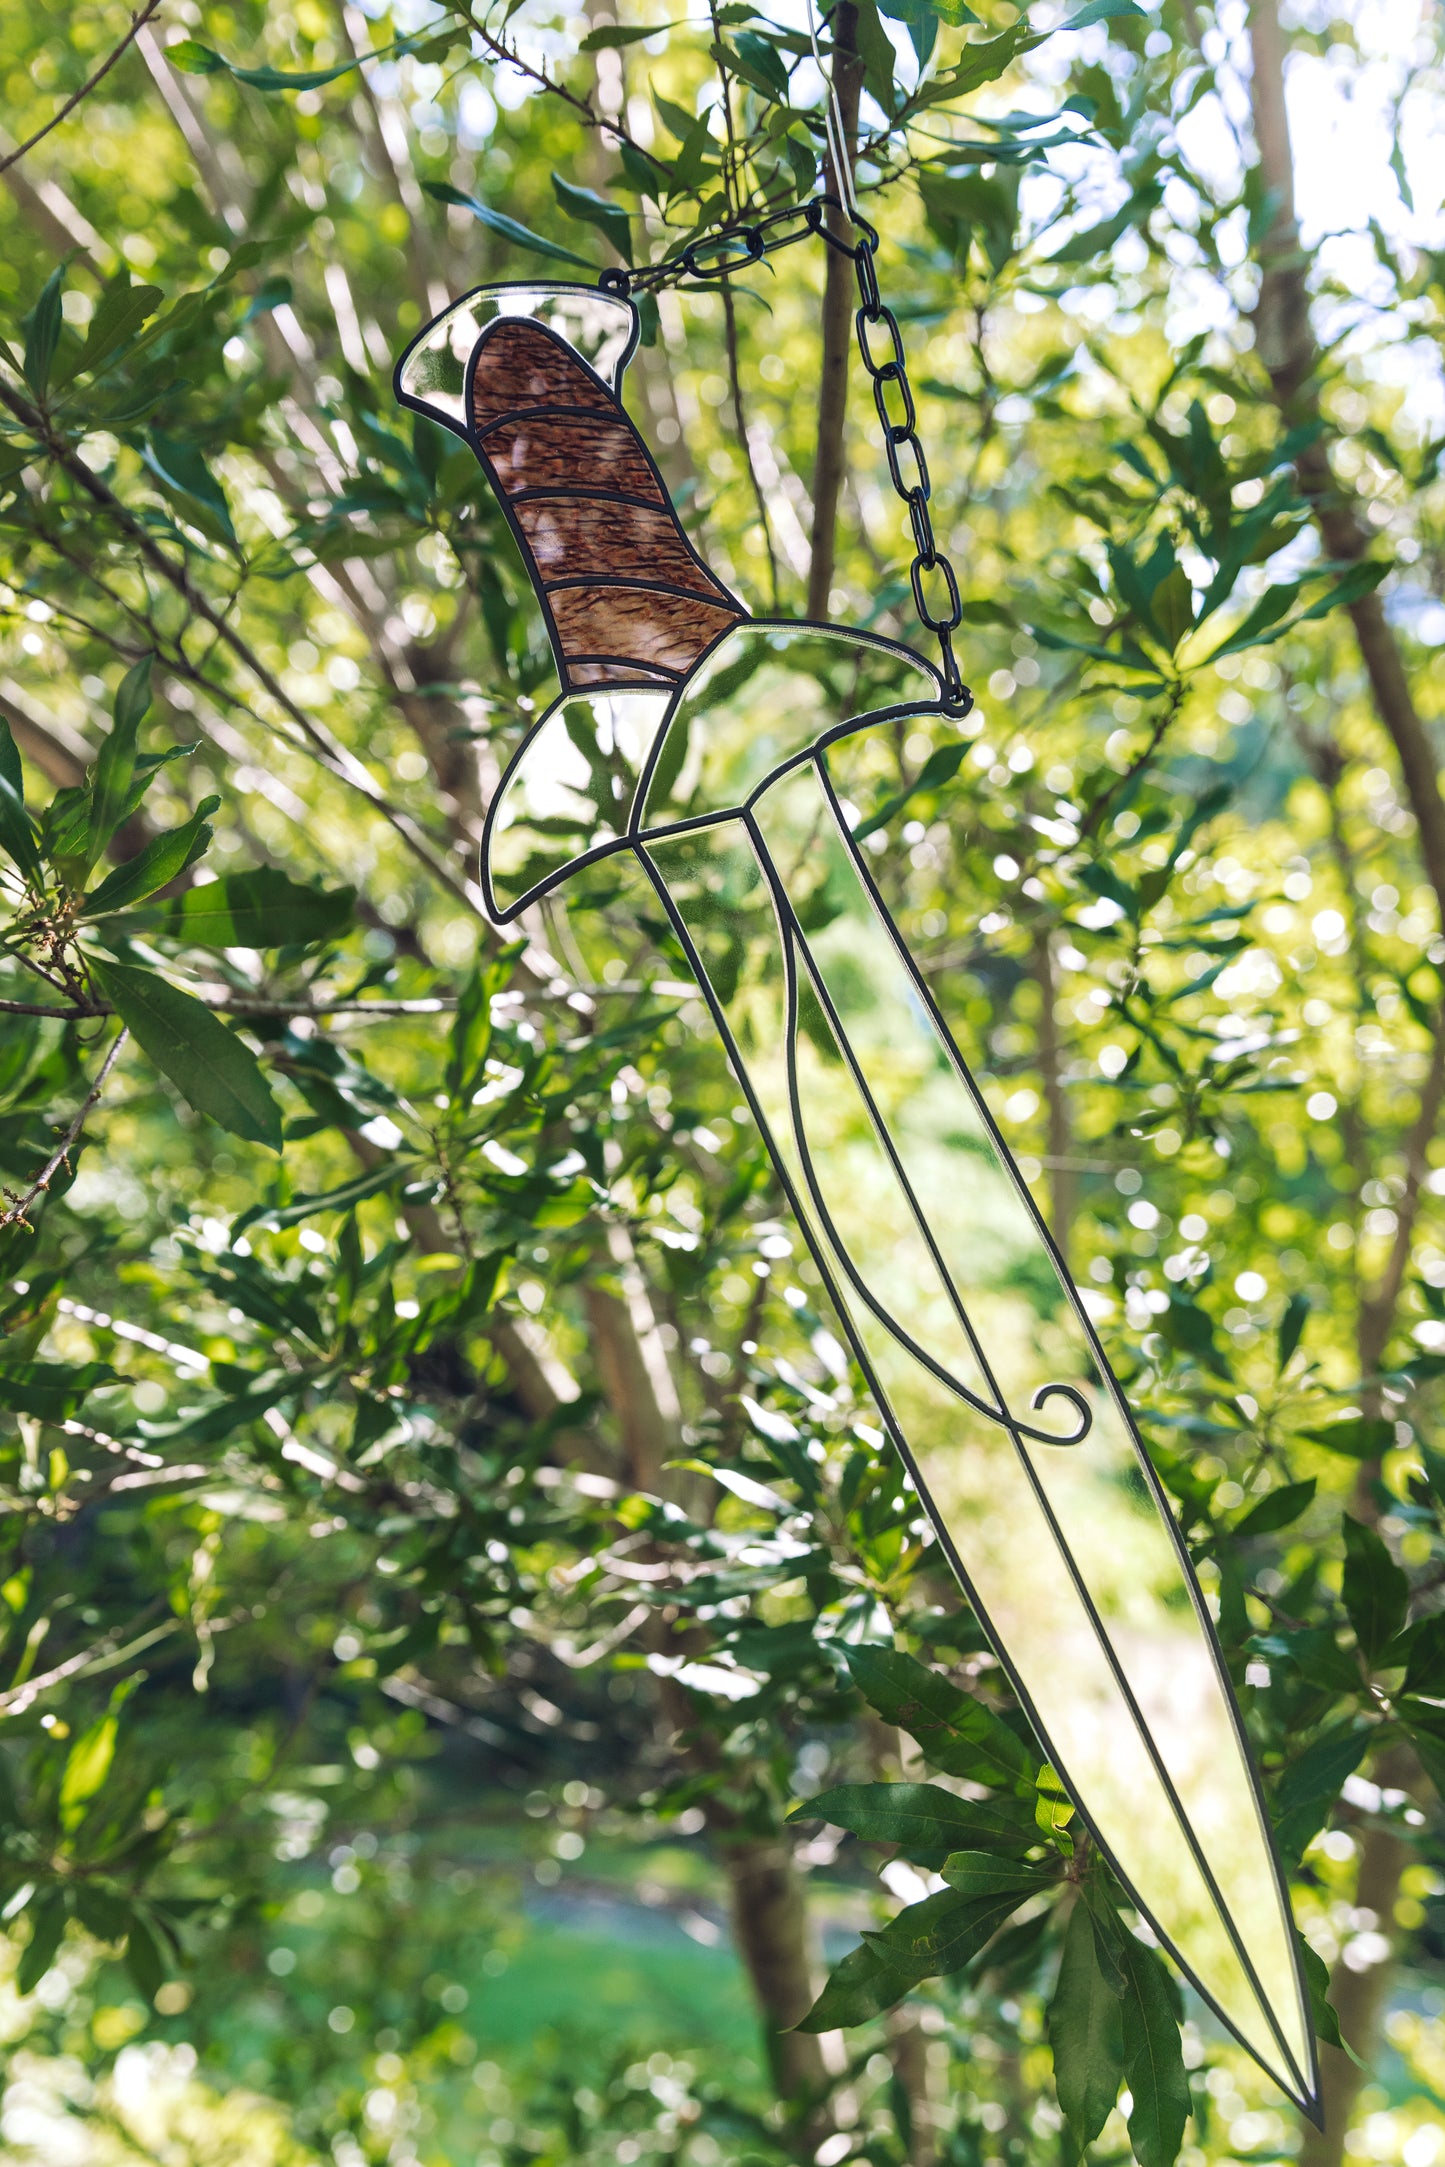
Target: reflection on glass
[568,791]
[432,372]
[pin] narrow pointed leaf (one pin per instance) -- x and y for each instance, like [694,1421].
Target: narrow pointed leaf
[210,1067]
[43,335]
[510,230]
[593,210]
[1375,1591]
[862,1986]
[1153,2058]
[114,769]
[957,1733]
[922,1818]
[1086,2033]
[261,909]
[160,862]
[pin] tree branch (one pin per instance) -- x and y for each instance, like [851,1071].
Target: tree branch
[17,1207]
[332,754]
[837,337]
[137,24]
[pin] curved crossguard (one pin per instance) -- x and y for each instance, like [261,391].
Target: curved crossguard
[720,758]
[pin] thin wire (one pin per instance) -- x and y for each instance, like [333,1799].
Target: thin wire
[837,134]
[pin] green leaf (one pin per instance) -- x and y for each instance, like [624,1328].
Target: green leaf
[51,1391]
[43,334]
[1421,1720]
[943,1933]
[114,770]
[133,696]
[1376,1593]
[17,833]
[1189,1329]
[1153,2057]
[1097,240]
[161,861]
[508,228]
[942,764]
[341,1198]
[261,909]
[1086,2033]
[210,1067]
[593,210]
[86,1767]
[1317,1982]
[143,1958]
[1310,1785]
[1291,1327]
[761,64]
[119,314]
[862,1986]
[195,59]
[1357,1437]
[1174,607]
[1425,1672]
[182,468]
[985,1874]
[1281,1508]
[608,35]
[921,1818]
[957,1733]
[875,49]
[1104,11]
[11,771]
[47,1926]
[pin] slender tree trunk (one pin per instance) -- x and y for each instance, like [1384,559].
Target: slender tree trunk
[770,1926]
[908,2052]
[838,302]
[1359,1997]
[1286,345]
[1063,1181]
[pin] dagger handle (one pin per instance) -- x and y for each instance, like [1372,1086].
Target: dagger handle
[628,600]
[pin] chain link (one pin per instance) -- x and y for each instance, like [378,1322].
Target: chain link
[901,436]
[735,247]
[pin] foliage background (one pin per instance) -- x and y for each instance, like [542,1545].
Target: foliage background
[438,1550]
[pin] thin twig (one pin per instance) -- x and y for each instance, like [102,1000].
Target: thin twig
[331,752]
[730,326]
[17,1206]
[137,24]
[111,1649]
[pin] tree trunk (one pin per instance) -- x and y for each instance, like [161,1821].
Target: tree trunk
[770,1927]
[1359,1997]
[1286,346]
[838,300]
[1063,1180]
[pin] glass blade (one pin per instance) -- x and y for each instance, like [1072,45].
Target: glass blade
[984,1362]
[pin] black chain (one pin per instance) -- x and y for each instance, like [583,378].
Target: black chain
[732,249]
[914,488]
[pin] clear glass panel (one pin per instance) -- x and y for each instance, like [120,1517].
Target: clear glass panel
[978,1347]
[764,693]
[599,325]
[568,791]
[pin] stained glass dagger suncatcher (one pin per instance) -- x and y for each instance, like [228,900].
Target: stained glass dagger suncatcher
[723,756]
